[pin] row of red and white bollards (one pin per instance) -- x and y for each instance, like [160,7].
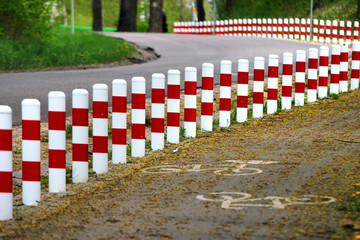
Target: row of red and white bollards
[323,31]
[80,114]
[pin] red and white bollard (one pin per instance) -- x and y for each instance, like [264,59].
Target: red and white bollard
[348,32]
[334,32]
[258,90]
[119,128]
[273,83]
[226,27]
[355,66]
[236,28]
[342,32]
[269,27]
[300,78]
[286,28]
[190,100]
[291,28]
[240,27]
[322,31]
[217,27]
[100,128]
[231,28]
[242,90]
[244,27]
[138,117]
[323,71]
[57,142]
[31,187]
[302,29]
[274,28]
[280,28]
[225,93]
[249,29]
[297,28]
[254,27]
[308,29]
[263,27]
[157,111]
[335,69]
[315,30]
[80,135]
[6,185]
[207,97]
[356,31]
[173,106]
[287,80]
[344,66]
[222,27]
[259,24]
[328,31]
[312,74]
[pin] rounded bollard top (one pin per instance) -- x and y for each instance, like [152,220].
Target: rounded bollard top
[313,53]
[344,48]
[190,69]
[30,109]
[158,80]
[243,65]
[80,91]
[335,49]
[208,70]
[324,51]
[300,56]
[288,58]
[5,117]
[5,110]
[225,66]
[100,86]
[30,102]
[138,79]
[138,85]
[273,60]
[119,82]
[173,72]
[56,94]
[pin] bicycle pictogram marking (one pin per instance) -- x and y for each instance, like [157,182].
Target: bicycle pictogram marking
[228,168]
[241,200]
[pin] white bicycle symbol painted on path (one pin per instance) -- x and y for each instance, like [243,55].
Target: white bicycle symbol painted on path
[230,168]
[241,200]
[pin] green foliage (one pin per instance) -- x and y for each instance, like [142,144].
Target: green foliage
[142,26]
[64,49]
[25,20]
[68,131]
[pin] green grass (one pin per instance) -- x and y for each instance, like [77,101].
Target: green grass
[63,49]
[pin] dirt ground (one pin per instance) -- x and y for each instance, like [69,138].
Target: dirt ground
[289,175]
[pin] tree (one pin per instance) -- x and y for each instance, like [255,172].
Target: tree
[97,15]
[358,10]
[127,18]
[156,16]
[201,10]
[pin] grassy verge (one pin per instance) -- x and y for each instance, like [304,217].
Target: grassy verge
[63,49]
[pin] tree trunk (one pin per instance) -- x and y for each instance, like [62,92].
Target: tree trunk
[156,16]
[97,15]
[127,18]
[201,10]
[358,10]
[228,5]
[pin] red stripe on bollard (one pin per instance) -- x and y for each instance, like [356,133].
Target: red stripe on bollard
[138,101]
[138,131]
[80,152]
[80,117]
[57,158]
[157,95]
[242,101]
[258,97]
[57,120]
[119,136]
[100,109]
[119,104]
[157,125]
[6,182]
[6,140]
[31,171]
[30,130]
[286,91]
[100,144]
[174,90]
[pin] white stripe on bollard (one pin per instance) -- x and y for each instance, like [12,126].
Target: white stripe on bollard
[315,30]
[312,74]
[100,128]
[242,90]
[119,120]
[334,32]
[258,90]
[157,111]
[273,83]
[300,78]
[287,71]
[138,117]
[6,185]
[328,31]
[286,28]
[344,66]
[323,71]
[322,31]
[80,135]
[291,28]
[57,142]
[335,69]
[348,32]
[342,32]
[207,97]
[31,187]
[225,93]
[280,28]
[302,29]
[297,28]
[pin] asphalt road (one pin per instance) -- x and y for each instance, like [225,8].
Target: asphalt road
[177,52]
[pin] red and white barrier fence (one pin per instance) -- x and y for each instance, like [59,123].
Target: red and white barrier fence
[323,30]
[57,164]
